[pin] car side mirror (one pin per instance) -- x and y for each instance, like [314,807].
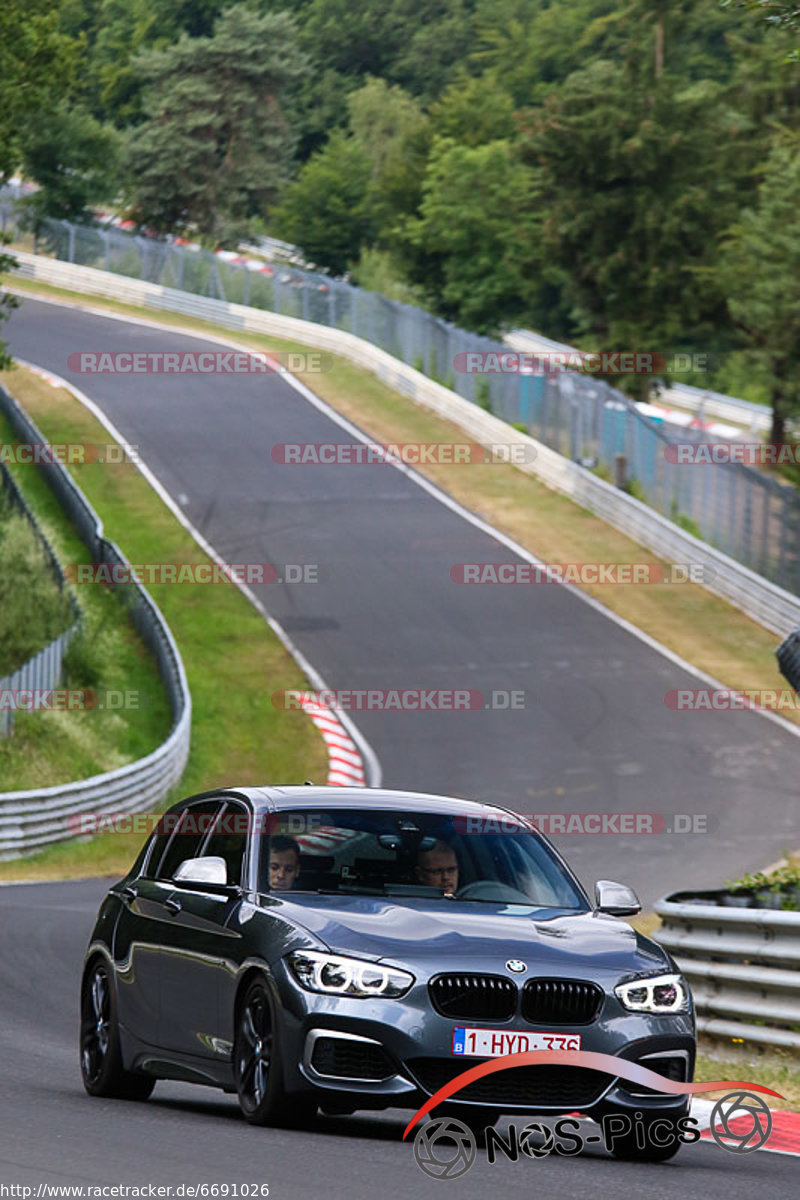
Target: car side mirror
[616,899]
[202,872]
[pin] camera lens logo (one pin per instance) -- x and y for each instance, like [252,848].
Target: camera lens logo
[536,1140]
[745,1120]
[445,1149]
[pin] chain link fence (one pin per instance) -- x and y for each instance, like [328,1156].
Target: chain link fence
[748,514]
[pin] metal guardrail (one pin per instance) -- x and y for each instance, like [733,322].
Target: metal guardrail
[42,671]
[743,966]
[697,400]
[757,417]
[38,817]
[746,513]
[768,604]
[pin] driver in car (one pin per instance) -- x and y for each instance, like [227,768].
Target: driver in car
[284,863]
[438,867]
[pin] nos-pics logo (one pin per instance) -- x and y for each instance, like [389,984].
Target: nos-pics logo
[445,1149]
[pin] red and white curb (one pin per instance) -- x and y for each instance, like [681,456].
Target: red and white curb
[345,765]
[53,380]
[660,413]
[784,1138]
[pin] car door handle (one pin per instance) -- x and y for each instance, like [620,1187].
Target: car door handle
[172,904]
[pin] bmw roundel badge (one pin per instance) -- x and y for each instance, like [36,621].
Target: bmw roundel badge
[516,965]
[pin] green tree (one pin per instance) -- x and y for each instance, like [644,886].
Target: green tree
[778,14]
[381,118]
[326,210]
[217,145]
[416,44]
[391,128]
[121,32]
[474,110]
[8,302]
[636,184]
[472,246]
[362,182]
[36,63]
[72,158]
[760,274]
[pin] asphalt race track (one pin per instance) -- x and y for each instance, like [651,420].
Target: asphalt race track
[53,1134]
[595,735]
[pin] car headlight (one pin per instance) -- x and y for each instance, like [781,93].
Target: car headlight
[335,975]
[658,994]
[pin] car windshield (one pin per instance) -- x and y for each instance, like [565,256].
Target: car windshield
[491,858]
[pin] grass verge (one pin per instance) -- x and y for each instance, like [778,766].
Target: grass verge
[769,1066]
[233,661]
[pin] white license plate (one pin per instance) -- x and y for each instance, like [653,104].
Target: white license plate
[492,1043]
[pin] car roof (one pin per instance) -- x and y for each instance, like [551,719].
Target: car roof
[278,798]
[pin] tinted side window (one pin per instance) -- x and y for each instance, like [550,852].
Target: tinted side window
[229,840]
[167,824]
[187,841]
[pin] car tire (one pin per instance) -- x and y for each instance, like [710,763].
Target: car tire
[258,1070]
[627,1149]
[101,1056]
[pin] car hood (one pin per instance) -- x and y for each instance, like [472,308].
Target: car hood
[452,934]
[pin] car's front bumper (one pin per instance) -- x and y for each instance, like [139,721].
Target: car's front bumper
[411,1045]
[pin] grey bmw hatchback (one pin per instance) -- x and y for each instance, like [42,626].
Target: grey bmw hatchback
[350,949]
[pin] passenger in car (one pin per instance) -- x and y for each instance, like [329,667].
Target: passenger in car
[284,863]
